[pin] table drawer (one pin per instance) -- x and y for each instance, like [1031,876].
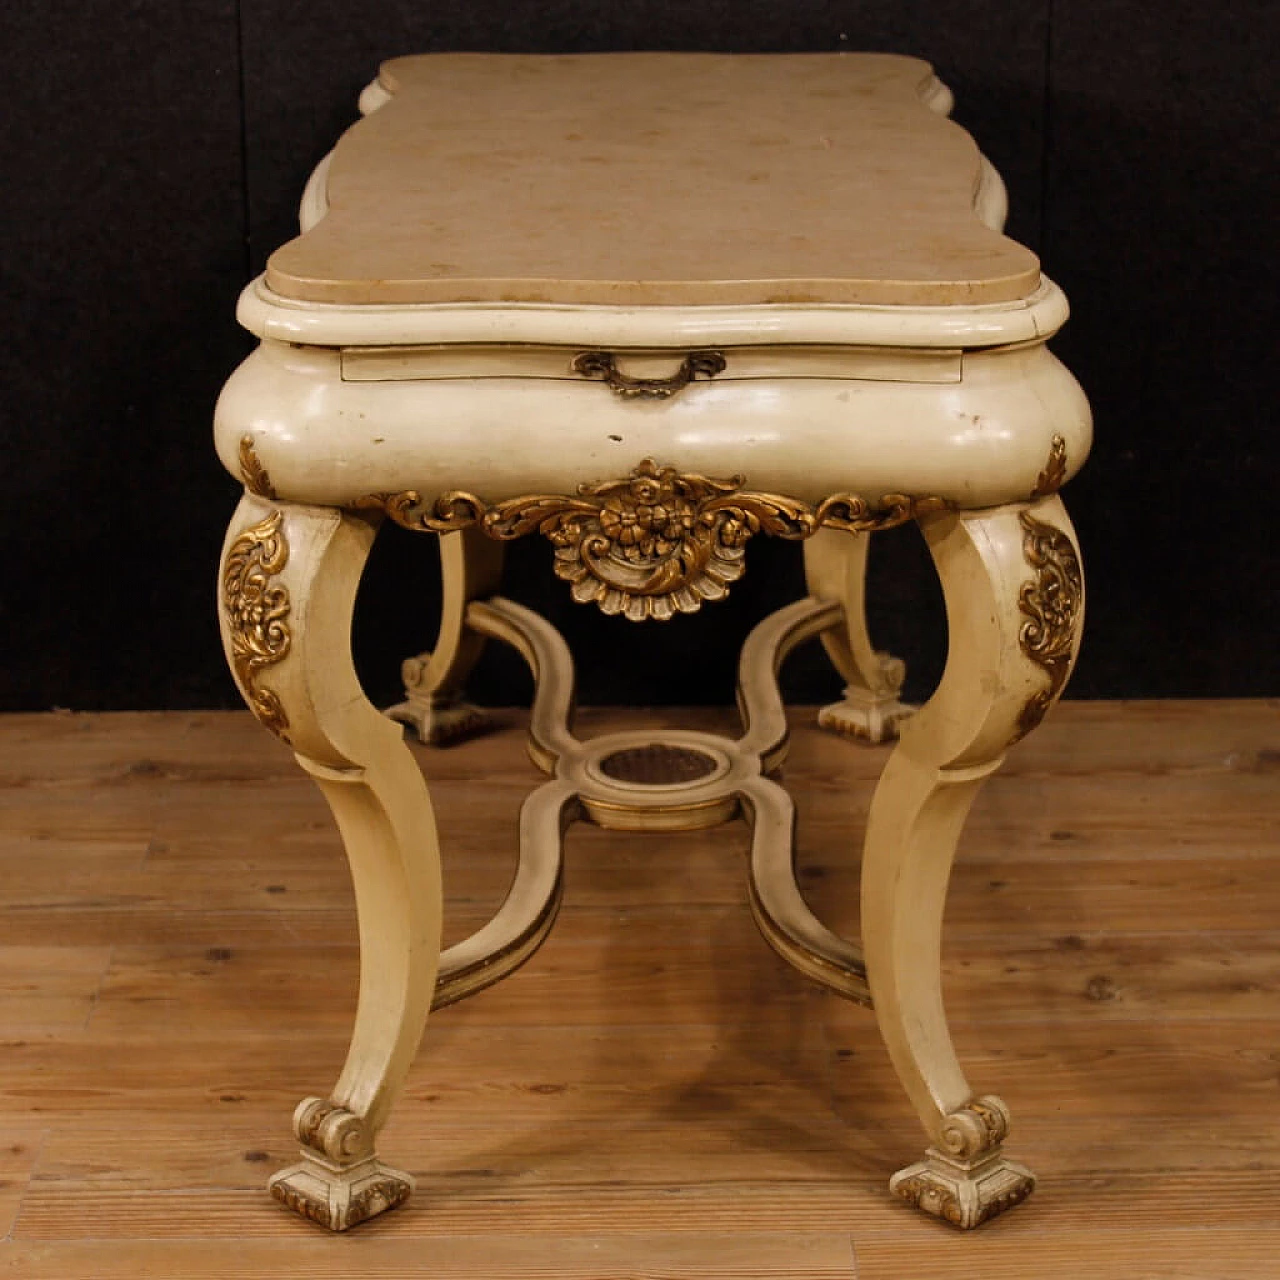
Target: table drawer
[629,366]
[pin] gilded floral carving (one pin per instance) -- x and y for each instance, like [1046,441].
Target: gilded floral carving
[257,612]
[1052,602]
[376,1197]
[656,543]
[932,1193]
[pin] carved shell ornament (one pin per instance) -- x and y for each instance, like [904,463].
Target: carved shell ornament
[656,543]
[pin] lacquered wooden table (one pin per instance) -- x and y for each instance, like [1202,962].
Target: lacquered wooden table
[650,306]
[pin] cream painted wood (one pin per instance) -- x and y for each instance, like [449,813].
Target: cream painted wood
[532,199]
[764,717]
[290,575]
[272,315]
[528,911]
[470,569]
[866,364]
[330,442]
[835,566]
[947,750]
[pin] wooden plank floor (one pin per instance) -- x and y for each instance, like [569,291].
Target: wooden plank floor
[655,1095]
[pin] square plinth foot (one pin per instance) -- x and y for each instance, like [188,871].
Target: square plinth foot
[866,716]
[964,1194]
[339,1198]
[437,725]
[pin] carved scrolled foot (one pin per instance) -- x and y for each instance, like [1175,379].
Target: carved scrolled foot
[339,1181]
[871,712]
[340,1198]
[972,1180]
[441,721]
[965,1195]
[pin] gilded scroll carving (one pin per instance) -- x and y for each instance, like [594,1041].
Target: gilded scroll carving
[376,1197]
[928,1194]
[1052,603]
[257,612]
[656,543]
[253,474]
[332,1130]
[1050,480]
[977,1129]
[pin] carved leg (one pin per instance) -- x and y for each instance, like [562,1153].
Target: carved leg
[470,569]
[288,588]
[835,565]
[1015,598]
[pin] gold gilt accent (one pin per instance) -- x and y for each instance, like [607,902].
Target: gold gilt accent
[934,1195]
[332,1130]
[919,1192]
[373,1197]
[312,1207]
[976,1129]
[257,609]
[656,543]
[1052,603]
[252,472]
[1049,481]
[376,1197]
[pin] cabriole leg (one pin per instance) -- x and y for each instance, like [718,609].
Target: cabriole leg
[470,569]
[835,565]
[287,590]
[1015,598]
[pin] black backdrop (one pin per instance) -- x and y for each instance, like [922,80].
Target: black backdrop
[152,155]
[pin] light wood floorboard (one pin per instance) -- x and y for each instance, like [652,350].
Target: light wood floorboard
[655,1094]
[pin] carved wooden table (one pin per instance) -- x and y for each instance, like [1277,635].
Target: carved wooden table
[650,306]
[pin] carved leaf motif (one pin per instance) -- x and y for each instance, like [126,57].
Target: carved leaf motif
[556,518]
[450,511]
[1049,481]
[253,474]
[933,1197]
[257,609]
[1052,603]
[376,1197]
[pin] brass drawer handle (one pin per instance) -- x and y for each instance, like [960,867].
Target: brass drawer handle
[603,365]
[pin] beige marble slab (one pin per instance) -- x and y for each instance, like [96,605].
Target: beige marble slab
[650,179]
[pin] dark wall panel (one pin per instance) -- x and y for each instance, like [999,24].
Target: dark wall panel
[1161,227]
[123,248]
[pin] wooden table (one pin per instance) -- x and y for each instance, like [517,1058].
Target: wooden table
[650,306]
